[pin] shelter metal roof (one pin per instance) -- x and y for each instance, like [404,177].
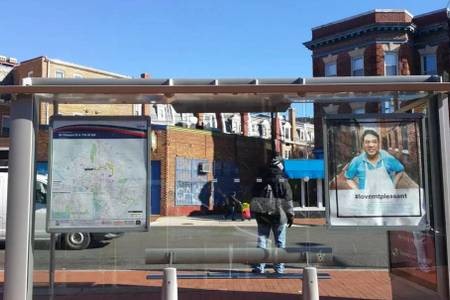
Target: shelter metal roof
[230,95]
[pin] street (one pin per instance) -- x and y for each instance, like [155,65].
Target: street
[360,248]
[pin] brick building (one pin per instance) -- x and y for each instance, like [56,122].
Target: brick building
[44,67]
[197,158]
[377,43]
[7,65]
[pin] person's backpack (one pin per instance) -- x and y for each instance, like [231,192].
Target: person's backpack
[266,203]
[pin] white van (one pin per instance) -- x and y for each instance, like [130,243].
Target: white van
[70,241]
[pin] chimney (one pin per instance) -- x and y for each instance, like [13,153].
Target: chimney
[145,76]
[245,123]
[219,119]
[293,121]
[276,133]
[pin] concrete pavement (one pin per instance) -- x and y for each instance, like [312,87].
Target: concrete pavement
[218,220]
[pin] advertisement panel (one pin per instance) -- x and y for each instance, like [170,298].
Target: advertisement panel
[98,174]
[374,170]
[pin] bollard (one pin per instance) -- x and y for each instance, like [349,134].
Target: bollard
[310,287]
[169,285]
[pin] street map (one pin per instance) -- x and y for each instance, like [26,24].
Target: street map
[98,176]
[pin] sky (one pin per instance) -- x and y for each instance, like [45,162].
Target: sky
[180,39]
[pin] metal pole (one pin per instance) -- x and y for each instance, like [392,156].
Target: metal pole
[169,289]
[303,197]
[319,193]
[237,255]
[19,220]
[437,138]
[310,284]
[52,264]
[444,130]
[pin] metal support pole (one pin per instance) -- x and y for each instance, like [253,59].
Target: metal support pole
[319,193]
[310,284]
[19,218]
[169,285]
[52,264]
[303,195]
[444,130]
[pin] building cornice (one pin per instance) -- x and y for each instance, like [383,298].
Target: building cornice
[359,31]
[363,14]
[336,51]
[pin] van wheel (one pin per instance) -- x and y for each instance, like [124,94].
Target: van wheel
[77,240]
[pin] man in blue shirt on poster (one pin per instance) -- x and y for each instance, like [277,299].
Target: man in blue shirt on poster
[374,170]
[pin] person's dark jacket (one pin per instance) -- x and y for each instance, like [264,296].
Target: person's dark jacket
[280,189]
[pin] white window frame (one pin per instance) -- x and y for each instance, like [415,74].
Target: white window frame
[353,63]
[327,69]
[160,112]
[329,61]
[395,54]
[356,54]
[59,72]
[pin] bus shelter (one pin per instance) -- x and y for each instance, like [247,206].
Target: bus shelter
[426,94]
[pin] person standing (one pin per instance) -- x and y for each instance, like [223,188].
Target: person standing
[233,205]
[274,186]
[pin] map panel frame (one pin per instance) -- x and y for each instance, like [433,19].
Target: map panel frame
[122,126]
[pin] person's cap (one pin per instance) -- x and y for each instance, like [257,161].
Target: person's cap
[277,162]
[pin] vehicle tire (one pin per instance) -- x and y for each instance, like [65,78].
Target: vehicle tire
[77,240]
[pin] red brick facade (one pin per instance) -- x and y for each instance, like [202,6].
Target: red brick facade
[249,153]
[373,34]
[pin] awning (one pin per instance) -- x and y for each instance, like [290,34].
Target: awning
[302,168]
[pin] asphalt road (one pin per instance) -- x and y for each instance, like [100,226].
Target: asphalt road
[362,248]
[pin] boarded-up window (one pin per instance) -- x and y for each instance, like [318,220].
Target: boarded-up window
[192,187]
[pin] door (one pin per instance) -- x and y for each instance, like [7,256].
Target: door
[155,199]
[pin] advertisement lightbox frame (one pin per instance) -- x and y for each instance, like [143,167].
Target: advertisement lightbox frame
[104,119]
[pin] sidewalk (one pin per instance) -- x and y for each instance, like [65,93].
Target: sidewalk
[217,220]
[118,285]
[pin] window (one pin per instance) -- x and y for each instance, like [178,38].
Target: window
[30,74]
[390,64]
[77,76]
[5,126]
[287,133]
[358,66]
[429,64]
[396,141]
[404,133]
[209,121]
[59,74]
[161,112]
[330,69]
[388,106]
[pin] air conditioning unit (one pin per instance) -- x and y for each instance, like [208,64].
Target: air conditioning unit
[2,58]
[204,167]
[13,60]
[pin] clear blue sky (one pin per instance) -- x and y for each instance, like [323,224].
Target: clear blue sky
[179,39]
